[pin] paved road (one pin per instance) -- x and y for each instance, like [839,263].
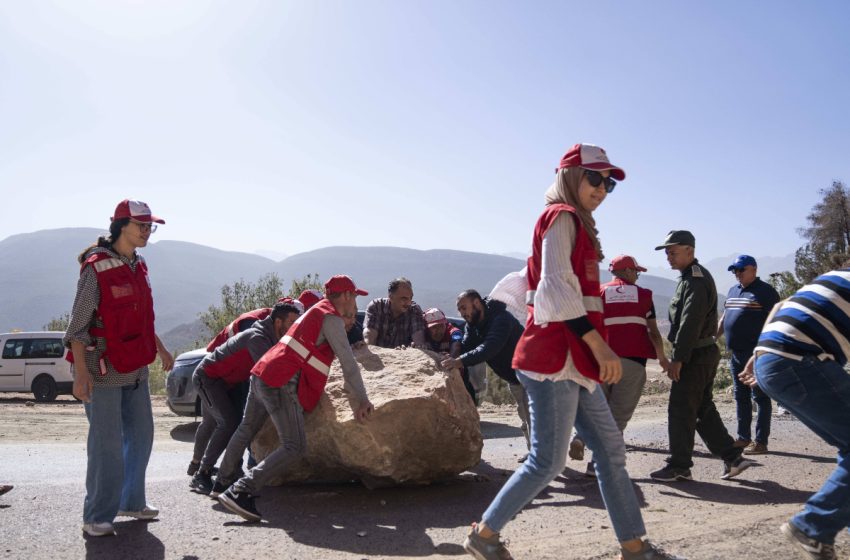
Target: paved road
[710,518]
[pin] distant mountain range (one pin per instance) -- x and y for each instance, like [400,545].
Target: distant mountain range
[38,279]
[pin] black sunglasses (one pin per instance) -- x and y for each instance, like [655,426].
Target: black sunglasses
[595,179]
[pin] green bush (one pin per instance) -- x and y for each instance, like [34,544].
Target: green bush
[156,378]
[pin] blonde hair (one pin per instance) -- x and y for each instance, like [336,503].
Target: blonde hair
[565,190]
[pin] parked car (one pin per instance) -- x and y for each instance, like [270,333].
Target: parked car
[182,396]
[35,362]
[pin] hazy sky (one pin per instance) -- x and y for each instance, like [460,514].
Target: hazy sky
[289,126]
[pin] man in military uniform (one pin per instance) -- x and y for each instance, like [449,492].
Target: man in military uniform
[693,365]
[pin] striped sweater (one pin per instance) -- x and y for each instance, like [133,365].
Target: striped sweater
[815,321]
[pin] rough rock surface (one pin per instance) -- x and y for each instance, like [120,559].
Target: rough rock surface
[424,427]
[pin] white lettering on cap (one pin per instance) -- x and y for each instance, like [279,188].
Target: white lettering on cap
[138,208]
[593,154]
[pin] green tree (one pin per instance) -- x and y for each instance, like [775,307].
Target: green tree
[242,296]
[827,234]
[785,283]
[59,323]
[309,282]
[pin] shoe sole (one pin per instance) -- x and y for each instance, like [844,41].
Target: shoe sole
[467,546]
[672,478]
[788,531]
[733,473]
[88,533]
[139,517]
[235,508]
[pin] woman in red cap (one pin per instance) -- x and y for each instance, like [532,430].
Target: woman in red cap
[112,340]
[562,357]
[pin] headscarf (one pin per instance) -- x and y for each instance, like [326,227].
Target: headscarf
[565,190]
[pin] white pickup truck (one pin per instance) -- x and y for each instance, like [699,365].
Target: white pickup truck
[35,362]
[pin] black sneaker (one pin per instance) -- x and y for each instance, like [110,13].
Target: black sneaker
[219,487]
[736,467]
[671,474]
[202,482]
[240,503]
[193,468]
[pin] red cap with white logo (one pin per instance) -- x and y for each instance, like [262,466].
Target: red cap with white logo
[434,317]
[622,262]
[590,157]
[135,210]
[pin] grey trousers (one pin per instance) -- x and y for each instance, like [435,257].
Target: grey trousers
[282,406]
[521,399]
[623,397]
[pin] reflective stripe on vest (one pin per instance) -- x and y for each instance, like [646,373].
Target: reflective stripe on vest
[106,264]
[591,303]
[313,361]
[624,321]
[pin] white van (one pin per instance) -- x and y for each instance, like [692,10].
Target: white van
[35,362]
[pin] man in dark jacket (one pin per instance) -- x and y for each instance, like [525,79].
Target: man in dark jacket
[693,365]
[490,336]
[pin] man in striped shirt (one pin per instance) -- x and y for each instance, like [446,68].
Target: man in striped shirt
[799,362]
[745,311]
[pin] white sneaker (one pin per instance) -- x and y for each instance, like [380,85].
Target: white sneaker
[98,529]
[147,512]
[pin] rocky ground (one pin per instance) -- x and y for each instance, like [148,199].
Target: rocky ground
[42,452]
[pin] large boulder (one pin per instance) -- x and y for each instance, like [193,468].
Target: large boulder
[424,427]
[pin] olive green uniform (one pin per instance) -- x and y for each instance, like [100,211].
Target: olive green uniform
[693,322]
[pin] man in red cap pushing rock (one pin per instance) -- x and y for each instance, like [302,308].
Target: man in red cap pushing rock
[287,382]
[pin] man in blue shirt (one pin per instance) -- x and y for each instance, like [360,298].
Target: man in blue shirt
[745,311]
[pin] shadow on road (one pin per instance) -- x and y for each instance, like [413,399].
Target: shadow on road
[132,541]
[737,491]
[184,432]
[494,430]
[381,522]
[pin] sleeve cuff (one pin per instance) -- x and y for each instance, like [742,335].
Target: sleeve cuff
[579,326]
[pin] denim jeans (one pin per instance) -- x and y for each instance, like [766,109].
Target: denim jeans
[818,394]
[282,406]
[119,445]
[220,418]
[554,407]
[744,397]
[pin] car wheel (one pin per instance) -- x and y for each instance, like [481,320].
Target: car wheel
[44,388]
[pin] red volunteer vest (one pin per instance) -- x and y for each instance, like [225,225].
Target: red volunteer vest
[232,329]
[543,348]
[297,350]
[126,312]
[626,307]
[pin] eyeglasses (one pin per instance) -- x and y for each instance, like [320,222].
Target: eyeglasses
[595,179]
[145,226]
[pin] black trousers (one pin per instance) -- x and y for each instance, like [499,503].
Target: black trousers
[691,410]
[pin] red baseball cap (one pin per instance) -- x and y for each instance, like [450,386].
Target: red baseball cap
[342,283]
[309,298]
[434,317]
[622,262]
[135,210]
[591,157]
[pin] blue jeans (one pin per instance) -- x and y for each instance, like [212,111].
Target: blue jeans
[119,446]
[554,407]
[744,397]
[818,393]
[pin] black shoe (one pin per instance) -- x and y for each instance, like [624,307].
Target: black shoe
[735,467]
[193,468]
[240,503]
[202,482]
[219,487]
[671,474]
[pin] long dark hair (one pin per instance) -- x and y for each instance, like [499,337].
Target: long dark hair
[103,241]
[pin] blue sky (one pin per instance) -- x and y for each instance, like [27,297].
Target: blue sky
[289,126]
